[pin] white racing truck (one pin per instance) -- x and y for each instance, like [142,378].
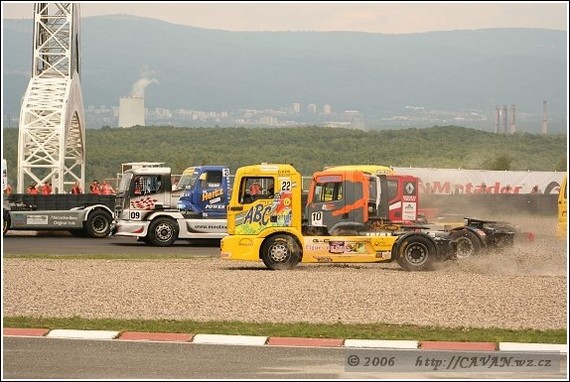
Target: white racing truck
[148,209]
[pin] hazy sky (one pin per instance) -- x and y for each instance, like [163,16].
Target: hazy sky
[377,17]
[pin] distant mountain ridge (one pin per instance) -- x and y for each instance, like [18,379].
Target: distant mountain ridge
[378,74]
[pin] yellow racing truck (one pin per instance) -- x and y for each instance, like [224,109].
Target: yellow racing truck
[268,225]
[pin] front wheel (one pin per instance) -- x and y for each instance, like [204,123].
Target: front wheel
[280,252]
[98,224]
[162,232]
[468,243]
[416,253]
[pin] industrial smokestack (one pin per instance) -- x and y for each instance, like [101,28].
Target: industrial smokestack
[497,118]
[544,119]
[505,119]
[513,123]
[131,111]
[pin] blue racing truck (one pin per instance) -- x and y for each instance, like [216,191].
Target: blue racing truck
[205,191]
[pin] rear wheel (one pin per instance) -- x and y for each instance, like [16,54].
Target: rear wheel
[280,252]
[468,243]
[416,253]
[162,232]
[98,224]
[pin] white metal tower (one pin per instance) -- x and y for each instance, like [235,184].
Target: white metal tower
[51,145]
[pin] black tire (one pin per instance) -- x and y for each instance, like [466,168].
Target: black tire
[415,252]
[5,222]
[468,244]
[162,232]
[280,252]
[98,224]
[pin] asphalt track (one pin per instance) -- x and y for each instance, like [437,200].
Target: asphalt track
[51,358]
[63,244]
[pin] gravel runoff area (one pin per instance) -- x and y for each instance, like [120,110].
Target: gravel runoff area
[523,287]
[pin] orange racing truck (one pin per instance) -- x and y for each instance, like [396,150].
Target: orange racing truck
[346,200]
[354,198]
[269,227]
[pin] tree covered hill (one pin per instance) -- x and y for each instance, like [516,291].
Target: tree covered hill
[309,148]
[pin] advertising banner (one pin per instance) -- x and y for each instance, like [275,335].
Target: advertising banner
[460,181]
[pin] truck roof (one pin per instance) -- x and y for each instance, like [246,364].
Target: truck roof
[150,170]
[268,168]
[330,175]
[137,165]
[190,170]
[370,168]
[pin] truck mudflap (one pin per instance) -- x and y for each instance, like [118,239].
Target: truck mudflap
[446,247]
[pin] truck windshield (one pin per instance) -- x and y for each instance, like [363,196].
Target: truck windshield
[187,181]
[125,182]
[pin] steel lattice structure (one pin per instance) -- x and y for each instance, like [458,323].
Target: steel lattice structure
[51,145]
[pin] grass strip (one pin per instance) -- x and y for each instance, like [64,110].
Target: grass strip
[303,329]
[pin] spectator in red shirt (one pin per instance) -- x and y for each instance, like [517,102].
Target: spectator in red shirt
[95,189]
[76,189]
[46,189]
[32,190]
[106,188]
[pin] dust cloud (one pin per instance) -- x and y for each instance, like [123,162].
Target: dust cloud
[546,255]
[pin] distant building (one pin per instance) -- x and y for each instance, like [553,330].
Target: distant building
[296,107]
[327,109]
[131,111]
[312,108]
[268,120]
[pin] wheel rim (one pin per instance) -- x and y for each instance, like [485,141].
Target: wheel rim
[464,247]
[164,231]
[417,254]
[100,224]
[278,253]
